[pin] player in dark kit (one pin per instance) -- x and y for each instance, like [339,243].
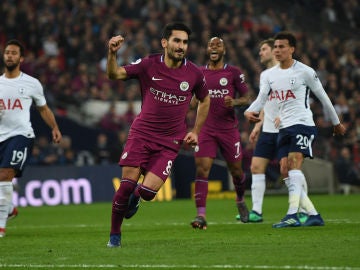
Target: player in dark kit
[168,81]
[227,88]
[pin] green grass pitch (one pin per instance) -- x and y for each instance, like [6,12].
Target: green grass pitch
[159,236]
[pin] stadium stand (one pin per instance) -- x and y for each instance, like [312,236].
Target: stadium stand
[66,50]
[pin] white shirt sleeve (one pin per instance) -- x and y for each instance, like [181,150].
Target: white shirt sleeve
[38,94]
[262,97]
[316,87]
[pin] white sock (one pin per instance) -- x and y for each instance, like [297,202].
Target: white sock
[295,184]
[11,208]
[286,181]
[306,204]
[258,187]
[305,189]
[6,191]
[305,186]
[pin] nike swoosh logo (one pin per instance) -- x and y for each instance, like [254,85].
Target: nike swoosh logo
[13,163]
[156,79]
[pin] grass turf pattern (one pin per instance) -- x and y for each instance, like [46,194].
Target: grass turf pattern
[159,236]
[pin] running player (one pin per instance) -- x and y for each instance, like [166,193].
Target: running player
[168,81]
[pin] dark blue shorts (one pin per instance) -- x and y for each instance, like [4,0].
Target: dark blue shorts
[15,152]
[297,138]
[266,146]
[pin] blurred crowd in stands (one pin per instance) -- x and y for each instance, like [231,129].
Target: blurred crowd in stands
[66,47]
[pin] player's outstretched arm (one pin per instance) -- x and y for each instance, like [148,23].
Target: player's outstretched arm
[113,71]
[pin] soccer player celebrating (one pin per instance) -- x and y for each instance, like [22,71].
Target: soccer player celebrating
[18,92]
[290,83]
[227,88]
[168,81]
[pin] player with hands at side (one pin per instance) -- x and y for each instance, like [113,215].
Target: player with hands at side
[227,89]
[18,92]
[264,135]
[290,83]
[167,81]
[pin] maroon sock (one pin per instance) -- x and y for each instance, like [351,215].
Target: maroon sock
[240,186]
[120,204]
[145,193]
[201,191]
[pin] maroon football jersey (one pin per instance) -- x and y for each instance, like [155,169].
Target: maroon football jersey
[166,95]
[228,81]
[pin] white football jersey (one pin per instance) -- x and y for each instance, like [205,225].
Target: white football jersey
[16,97]
[290,88]
[271,111]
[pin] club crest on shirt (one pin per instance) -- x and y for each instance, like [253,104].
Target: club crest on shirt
[223,81]
[292,81]
[21,91]
[184,86]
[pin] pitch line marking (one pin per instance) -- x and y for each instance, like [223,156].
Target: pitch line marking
[164,266]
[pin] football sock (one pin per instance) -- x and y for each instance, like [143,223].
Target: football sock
[240,185]
[301,208]
[306,204]
[11,208]
[305,186]
[6,190]
[145,193]
[295,187]
[120,204]
[201,191]
[258,187]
